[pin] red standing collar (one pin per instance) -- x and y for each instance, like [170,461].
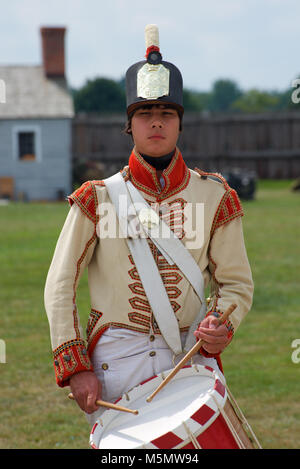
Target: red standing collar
[144,176]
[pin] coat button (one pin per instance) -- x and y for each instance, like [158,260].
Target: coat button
[105,366]
[152,354]
[151,338]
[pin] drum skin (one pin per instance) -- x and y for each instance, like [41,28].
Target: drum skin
[191,412]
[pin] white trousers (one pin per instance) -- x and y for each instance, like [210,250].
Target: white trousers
[123,359]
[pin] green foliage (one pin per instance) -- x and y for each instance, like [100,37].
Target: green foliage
[195,101]
[223,95]
[256,101]
[103,95]
[100,95]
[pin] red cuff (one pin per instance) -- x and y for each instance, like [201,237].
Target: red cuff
[70,358]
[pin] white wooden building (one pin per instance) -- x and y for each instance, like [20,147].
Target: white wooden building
[36,111]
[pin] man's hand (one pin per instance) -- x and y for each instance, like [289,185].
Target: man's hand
[86,389]
[216,337]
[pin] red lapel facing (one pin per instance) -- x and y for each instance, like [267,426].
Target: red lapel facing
[144,176]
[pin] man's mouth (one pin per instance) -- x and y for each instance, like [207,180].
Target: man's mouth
[156,137]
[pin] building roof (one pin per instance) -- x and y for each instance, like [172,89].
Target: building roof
[30,94]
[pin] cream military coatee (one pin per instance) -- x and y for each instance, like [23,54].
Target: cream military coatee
[117,295]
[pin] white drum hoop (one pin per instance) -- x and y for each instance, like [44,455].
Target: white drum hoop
[186,407]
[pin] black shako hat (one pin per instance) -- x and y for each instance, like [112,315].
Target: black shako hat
[153,81]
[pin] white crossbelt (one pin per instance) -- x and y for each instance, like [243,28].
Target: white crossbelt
[171,248]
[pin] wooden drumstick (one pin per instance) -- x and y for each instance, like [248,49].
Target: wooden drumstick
[110,405]
[189,355]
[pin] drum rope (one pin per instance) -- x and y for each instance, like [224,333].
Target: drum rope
[191,436]
[229,424]
[242,417]
[174,360]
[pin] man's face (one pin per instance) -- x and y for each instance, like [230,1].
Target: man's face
[155,129]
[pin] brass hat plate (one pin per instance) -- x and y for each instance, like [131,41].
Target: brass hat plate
[153,81]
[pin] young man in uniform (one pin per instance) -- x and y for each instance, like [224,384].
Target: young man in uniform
[126,342]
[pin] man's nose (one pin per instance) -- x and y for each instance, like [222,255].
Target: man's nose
[156,122]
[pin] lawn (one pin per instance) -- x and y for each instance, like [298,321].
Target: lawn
[260,372]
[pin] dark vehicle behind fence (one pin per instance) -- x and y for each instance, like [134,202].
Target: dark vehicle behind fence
[244,182]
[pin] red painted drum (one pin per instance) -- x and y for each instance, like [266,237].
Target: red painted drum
[193,410]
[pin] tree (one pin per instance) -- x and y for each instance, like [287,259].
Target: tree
[256,101]
[100,95]
[107,95]
[223,94]
[195,100]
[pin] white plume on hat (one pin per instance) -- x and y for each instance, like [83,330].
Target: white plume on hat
[151,35]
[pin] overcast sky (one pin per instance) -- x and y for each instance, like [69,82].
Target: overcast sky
[253,42]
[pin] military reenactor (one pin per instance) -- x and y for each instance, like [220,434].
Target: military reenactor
[153,237]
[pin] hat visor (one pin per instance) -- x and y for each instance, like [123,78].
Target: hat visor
[164,102]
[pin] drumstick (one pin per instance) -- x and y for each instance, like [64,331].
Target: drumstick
[187,357]
[110,405]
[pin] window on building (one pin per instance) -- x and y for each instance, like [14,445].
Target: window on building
[26,145]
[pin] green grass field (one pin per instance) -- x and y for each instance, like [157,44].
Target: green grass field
[260,372]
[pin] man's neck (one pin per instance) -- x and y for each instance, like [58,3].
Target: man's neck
[159,162]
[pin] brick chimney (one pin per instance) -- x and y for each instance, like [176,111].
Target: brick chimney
[53,51]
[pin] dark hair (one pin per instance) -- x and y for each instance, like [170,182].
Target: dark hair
[127,128]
